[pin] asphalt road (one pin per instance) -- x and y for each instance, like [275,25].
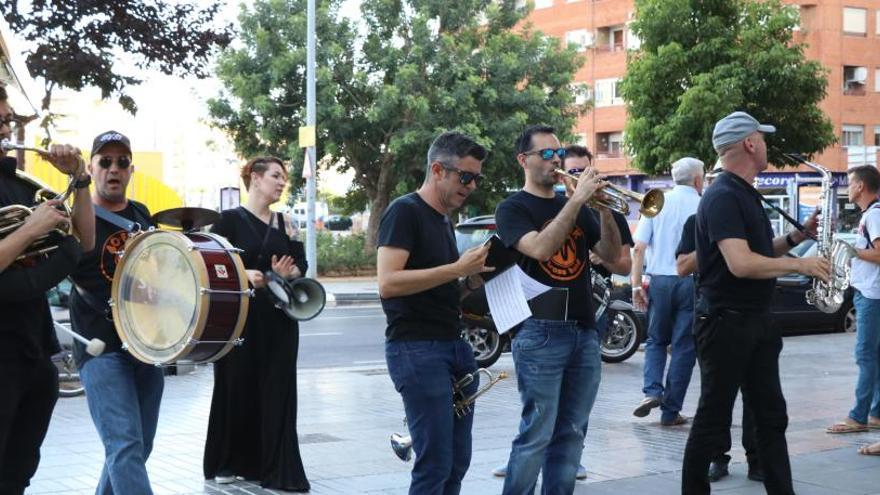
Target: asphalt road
[343,336]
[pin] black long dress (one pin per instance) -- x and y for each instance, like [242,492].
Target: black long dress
[252,426]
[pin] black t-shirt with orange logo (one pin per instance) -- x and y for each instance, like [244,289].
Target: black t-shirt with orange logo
[569,267]
[94,275]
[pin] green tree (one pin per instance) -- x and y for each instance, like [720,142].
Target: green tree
[702,59]
[77,42]
[387,86]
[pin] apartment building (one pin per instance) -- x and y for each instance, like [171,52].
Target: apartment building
[844,35]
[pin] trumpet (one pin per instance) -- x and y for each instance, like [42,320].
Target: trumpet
[617,198]
[462,405]
[13,216]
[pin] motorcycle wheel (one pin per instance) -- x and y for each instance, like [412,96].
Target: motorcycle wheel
[486,342]
[622,337]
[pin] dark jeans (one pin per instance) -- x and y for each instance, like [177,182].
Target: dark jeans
[738,350]
[28,392]
[423,372]
[750,443]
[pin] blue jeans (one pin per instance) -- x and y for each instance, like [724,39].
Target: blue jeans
[867,357]
[670,322]
[423,372]
[558,371]
[123,396]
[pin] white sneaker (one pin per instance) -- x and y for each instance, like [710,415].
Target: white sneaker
[582,473]
[224,479]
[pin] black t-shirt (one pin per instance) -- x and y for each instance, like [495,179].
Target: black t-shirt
[687,245]
[89,310]
[412,224]
[731,209]
[688,242]
[569,267]
[26,324]
[625,238]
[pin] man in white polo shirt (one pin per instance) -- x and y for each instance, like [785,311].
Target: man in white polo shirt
[669,299]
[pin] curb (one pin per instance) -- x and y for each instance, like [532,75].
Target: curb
[352,298]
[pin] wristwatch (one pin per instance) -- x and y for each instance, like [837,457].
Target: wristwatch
[82,183]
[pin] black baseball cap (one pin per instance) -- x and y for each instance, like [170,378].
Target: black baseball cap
[108,137]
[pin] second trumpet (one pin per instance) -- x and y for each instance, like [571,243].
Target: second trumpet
[617,198]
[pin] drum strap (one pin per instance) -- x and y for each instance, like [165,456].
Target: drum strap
[117,220]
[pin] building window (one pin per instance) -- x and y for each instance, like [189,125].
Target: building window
[853,135]
[607,92]
[581,93]
[611,38]
[581,39]
[609,144]
[877,79]
[877,135]
[855,21]
[543,4]
[632,41]
[855,79]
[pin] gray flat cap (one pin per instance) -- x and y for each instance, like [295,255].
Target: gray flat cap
[736,127]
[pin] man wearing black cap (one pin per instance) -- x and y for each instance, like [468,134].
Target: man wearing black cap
[737,345]
[29,384]
[123,393]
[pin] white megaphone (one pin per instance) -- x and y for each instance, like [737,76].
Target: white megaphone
[300,299]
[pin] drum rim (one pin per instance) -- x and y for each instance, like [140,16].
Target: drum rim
[194,332]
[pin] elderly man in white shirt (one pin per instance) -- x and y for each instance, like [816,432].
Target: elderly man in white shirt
[669,299]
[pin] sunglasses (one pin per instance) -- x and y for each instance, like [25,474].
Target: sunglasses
[466,177]
[547,153]
[122,162]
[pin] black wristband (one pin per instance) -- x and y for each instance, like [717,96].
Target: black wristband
[82,183]
[790,241]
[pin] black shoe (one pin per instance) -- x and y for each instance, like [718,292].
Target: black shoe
[756,473]
[717,470]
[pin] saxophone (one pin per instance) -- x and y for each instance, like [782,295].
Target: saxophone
[829,296]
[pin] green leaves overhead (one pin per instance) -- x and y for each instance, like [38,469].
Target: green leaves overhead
[702,59]
[390,82]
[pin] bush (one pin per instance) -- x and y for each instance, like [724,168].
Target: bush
[344,255]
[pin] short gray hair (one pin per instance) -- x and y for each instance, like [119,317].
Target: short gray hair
[450,147]
[686,170]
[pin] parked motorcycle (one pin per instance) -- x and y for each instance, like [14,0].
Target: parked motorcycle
[625,327]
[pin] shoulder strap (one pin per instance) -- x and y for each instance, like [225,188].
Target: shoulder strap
[873,205]
[117,220]
[250,224]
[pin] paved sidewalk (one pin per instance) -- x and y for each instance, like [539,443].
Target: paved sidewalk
[347,414]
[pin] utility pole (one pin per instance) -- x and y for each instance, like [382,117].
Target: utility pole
[311,234]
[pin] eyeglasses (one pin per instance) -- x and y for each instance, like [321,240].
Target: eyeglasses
[547,153]
[466,177]
[122,162]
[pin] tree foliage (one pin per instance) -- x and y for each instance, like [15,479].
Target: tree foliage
[389,83]
[702,59]
[78,43]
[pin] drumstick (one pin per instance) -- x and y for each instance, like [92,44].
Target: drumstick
[94,347]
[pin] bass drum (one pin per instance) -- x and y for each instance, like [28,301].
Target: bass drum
[179,296]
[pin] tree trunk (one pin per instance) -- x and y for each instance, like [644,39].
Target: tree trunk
[378,204]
